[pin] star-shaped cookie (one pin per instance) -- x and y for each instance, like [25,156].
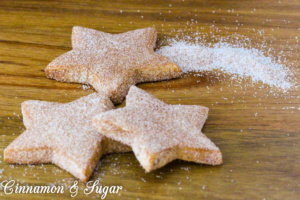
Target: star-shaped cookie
[62,133]
[111,63]
[159,133]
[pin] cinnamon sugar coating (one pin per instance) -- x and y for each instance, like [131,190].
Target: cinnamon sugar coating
[159,133]
[62,133]
[111,63]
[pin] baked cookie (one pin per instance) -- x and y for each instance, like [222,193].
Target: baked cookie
[111,63]
[159,133]
[62,133]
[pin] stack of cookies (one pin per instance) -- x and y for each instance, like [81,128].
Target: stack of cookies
[75,135]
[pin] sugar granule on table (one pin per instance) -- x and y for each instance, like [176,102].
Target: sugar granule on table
[228,58]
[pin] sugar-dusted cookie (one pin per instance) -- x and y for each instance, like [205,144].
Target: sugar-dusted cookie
[159,133]
[111,63]
[62,133]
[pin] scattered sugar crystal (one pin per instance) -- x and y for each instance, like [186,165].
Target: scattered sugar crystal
[86,87]
[228,58]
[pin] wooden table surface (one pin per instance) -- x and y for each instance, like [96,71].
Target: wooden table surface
[257,131]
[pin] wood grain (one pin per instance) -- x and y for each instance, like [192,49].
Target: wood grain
[258,132]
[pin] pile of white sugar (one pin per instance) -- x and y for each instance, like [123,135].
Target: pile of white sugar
[197,57]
